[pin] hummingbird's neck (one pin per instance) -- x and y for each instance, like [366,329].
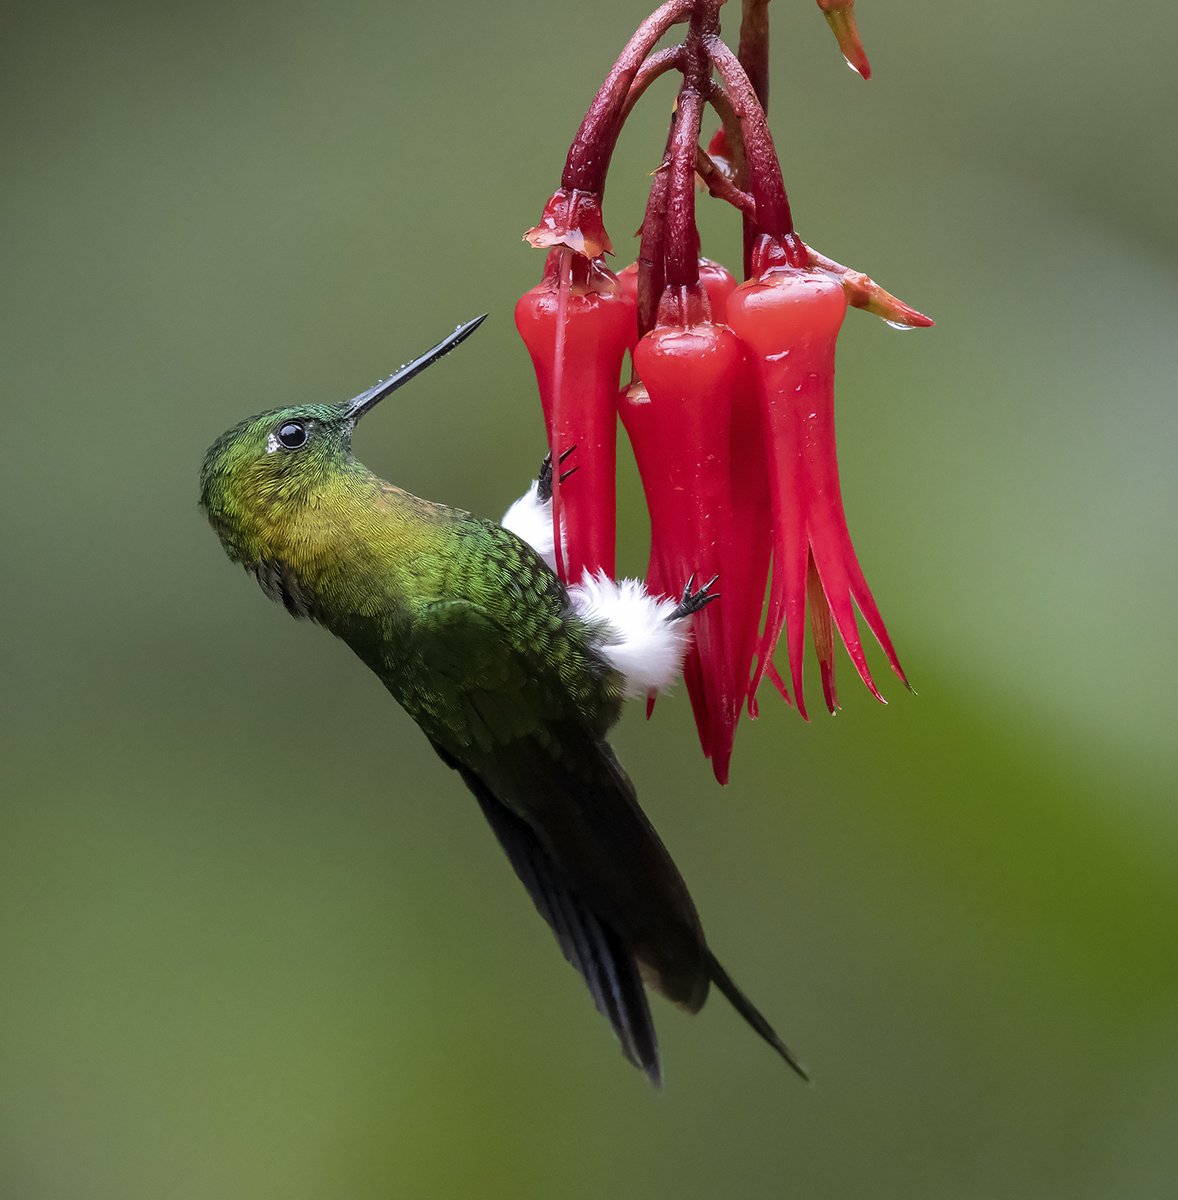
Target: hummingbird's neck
[355,547]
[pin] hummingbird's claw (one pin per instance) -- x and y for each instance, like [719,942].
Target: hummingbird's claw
[692,601]
[544,477]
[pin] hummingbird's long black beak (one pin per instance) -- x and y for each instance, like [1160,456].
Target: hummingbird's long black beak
[358,406]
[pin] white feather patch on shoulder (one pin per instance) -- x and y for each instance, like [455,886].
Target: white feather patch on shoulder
[530,518]
[635,635]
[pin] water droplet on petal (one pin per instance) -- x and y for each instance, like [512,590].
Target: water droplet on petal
[899,325]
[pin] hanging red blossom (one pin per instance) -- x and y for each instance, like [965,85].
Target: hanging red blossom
[730,409]
[577,324]
[789,319]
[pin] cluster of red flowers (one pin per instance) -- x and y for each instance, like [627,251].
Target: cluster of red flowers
[730,411]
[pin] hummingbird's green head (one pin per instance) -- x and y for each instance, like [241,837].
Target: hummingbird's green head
[257,476]
[258,473]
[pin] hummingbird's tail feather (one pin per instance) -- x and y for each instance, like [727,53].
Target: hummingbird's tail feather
[588,942]
[745,1007]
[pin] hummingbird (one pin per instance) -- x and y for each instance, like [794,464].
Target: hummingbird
[513,677]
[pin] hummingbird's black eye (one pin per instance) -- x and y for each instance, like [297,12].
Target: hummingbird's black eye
[293,434]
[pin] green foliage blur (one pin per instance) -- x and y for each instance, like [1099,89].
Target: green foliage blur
[255,942]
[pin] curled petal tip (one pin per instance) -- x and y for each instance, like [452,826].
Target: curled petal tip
[869,683]
[863,292]
[840,16]
[895,312]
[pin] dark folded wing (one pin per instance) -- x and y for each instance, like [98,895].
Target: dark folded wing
[587,942]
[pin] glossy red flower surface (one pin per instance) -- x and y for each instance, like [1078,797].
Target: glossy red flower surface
[790,319]
[578,324]
[689,421]
[730,408]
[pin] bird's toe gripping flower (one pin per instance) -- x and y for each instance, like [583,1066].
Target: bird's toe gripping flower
[730,409]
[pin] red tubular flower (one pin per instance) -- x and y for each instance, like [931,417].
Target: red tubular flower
[789,319]
[692,411]
[731,408]
[577,324]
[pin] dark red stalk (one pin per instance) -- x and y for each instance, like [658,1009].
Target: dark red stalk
[589,156]
[656,65]
[753,53]
[651,276]
[728,139]
[753,50]
[681,245]
[681,239]
[765,182]
[719,185]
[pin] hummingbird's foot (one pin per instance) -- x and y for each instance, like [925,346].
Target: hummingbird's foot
[692,601]
[544,478]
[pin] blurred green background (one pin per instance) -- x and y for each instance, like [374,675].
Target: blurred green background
[256,941]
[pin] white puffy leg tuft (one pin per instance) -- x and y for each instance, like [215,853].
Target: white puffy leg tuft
[530,518]
[637,636]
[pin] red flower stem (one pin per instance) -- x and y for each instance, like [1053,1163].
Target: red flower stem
[656,65]
[734,140]
[589,155]
[720,101]
[753,50]
[753,53]
[765,181]
[734,136]
[681,244]
[651,277]
[719,185]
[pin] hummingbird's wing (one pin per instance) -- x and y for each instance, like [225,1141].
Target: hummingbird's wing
[513,722]
[568,817]
[593,948]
